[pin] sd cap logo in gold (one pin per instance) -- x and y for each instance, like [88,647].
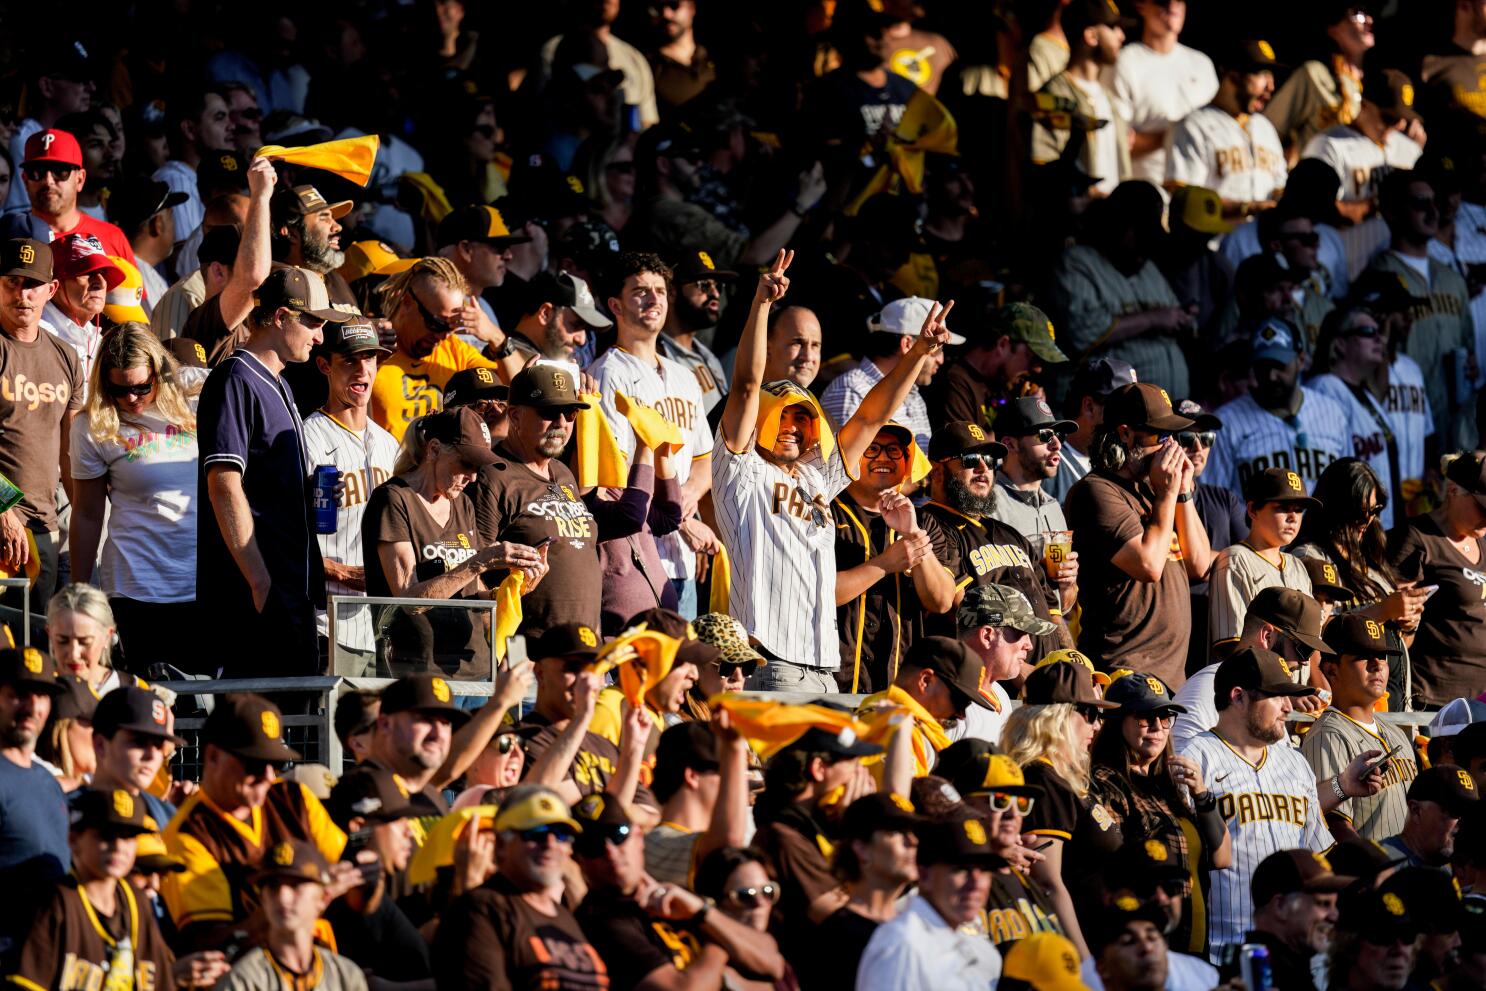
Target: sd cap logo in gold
[1374,630]
[706,260]
[283,855]
[1393,903]
[1154,684]
[976,432]
[33,660]
[975,832]
[28,254]
[123,804]
[270,724]
[1293,480]
[440,689]
[588,637]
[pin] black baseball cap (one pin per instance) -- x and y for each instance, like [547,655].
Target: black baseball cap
[477,223]
[1140,693]
[1469,472]
[697,266]
[1362,858]
[545,387]
[1023,417]
[463,430]
[137,710]
[27,258]
[1144,407]
[356,712]
[423,693]
[1111,921]
[1382,292]
[1201,418]
[957,665]
[1378,917]
[472,385]
[1278,485]
[376,794]
[1287,872]
[1141,866]
[879,812]
[1097,378]
[566,289]
[31,669]
[1062,682]
[138,198]
[1432,895]
[686,745]
[1081,14]
[248,726]
[973,766]
[963,437]
[355,336]
[1447,785]
[1296,614]
[223,171]
[112,811]
[1352,633]
[839,744]
[1249,55]
[220,245]
[1257,670]
[576,641]
[960,844]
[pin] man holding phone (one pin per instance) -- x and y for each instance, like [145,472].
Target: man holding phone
[1358,674]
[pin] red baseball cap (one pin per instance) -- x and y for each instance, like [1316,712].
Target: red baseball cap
[57,147]
[79,254]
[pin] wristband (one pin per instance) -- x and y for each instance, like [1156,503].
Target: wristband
[708,904]
[1204,802]
[1184,497]
[1336,786]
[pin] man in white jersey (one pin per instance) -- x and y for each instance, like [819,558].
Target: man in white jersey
[1157,82]
[1365,150]
[1265,791]
[341,434]
[775,470]
[1229,146]
[1278,423]
[635,367]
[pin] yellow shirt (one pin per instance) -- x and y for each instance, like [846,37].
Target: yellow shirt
[406,387]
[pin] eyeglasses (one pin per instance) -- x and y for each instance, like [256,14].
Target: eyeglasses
[129,389]
[538,834]
[1002,802]
[894,452]
[707,287]
[1309,239]
[1090,714]
[1156,436]
[974,461]
[38,173]
[1189,439]
[766,894]
[435,324]
[596,837]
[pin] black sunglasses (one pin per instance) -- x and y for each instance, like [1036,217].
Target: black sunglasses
[1046,435]
[1089,713]
[765,893]
[594,838]
[1189,439]
[37,173]
[133,391]
[505,743]
[817,515]
[436,324]
[747,667]
[977,460]
[1363,330]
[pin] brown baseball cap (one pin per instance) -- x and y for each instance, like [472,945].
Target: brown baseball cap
[422,693]
[1278,485]
[27,258]
[963,437]
[952,661]
[303,201]
[463,430]
[1143,406]
[290,861]
[1064,682]
[1392,92]
[1296,614]
[1448,785]
[299,289]
[1257,670]
[1354,634]
[1325,578]
[31,669]
[546,387]
[248,726]
[1288,872]
[137,710]
[112,811]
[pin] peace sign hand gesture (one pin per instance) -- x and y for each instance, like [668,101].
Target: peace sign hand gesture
[934,335]
[773,284]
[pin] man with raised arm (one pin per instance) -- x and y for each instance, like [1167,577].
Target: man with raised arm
[775,471]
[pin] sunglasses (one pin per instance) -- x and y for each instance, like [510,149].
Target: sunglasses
[1002,802]
[747,667]
[435,324]
[596,837]
[484,130]
[1047,434]
[1373,512]
[538,834]
[1156,436]
[764,894]
[1363,330]
[247,113]
[1309,239]
[131,391]
[817,515]
[974,461]
[1190,439]
[38,173]
[1170,887]
[1090,714]
[894,452]
[505,743]
[1155,719]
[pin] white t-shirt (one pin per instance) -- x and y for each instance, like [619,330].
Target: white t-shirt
[980,723]
[150,551]
[1359,162]
[1153,91]
[1103,143]
[181,178]
[1239,157]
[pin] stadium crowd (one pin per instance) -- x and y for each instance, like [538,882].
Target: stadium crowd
[939,495]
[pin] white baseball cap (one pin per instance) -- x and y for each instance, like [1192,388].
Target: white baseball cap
[905,317]
[1456,716]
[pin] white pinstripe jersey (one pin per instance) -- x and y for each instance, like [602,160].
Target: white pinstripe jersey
[1407,405]
[673,392]
[1267,808]
[365,461]
[1242,160]
[1368,440]
[778,530]
[1253,439]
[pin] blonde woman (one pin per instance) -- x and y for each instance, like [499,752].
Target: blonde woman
[1050,735]
[80,630]
[66,746]
[134,457]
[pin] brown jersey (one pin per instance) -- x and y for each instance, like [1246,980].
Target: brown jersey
[71,947]
[221,851]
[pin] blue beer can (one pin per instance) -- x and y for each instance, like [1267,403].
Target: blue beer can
[326,479]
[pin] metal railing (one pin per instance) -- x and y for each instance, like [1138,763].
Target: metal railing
[9,614]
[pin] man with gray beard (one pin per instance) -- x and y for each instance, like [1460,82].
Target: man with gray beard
[977,549]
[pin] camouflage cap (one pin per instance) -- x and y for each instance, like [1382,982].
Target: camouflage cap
[1026,323]
[1000,605]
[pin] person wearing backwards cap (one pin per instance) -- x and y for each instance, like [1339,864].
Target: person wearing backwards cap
[36,411]
[514,931]
[558,318]
[1447,657]
[925,946]
[1138,536]
[773,476]
[1277,504]
[341,433]
[1358,675]
[90,930]
[1266,792]
[1438,799]
[1144,787]
[295,883]
[84,277]
[53,175]
[226,830]
[889,339]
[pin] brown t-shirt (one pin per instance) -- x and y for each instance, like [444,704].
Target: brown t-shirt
[514,503]
[793,843]
[1449,651]
[40,382]
[967,396]
[70,948]
[593,768]
[492,940]
[206,327]
[1126,623]
[1453,81]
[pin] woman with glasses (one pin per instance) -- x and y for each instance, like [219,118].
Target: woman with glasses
[134,461]
[738,880]
[1049,736]
[1277,503]
[1327,90]
[1351,537]
[1156,795]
